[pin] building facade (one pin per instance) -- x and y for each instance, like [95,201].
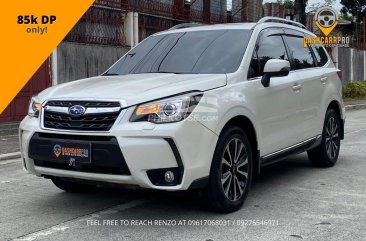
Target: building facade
[246,10]
[274,10]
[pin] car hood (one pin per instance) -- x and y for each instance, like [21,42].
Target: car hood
[135,88]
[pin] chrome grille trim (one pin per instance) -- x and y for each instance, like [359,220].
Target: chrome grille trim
[95,120]
[92,110]
[85,103]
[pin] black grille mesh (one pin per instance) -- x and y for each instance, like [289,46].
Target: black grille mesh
[87,122]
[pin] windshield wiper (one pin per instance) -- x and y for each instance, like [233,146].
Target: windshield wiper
[159,72]
[110,74]
[167,72]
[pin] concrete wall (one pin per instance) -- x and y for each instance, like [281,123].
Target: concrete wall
[358,64]
[77,61]
[352,62]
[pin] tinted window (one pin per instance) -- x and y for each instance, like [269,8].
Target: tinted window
[320,54]
[201,52]
[268,47]
[302,57]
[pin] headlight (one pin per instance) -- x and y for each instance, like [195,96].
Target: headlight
[167,110]
[34,107]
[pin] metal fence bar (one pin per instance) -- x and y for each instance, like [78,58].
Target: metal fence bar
[99,26]
[103,23]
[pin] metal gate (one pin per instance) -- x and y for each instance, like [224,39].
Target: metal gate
[18,108]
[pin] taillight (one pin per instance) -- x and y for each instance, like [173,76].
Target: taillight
[339,73]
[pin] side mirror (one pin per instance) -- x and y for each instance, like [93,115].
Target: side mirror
[275,68]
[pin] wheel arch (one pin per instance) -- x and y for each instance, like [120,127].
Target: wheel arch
[247,126]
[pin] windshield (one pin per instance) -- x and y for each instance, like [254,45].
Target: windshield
[196,52]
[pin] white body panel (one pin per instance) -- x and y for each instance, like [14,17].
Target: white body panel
[281,116]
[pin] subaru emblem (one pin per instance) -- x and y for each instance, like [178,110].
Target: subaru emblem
[77,110]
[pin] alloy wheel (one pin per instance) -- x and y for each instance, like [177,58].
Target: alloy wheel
[234,169]
[332,139]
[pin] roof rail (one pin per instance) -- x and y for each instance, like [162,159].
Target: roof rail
[185,25]
[280,20]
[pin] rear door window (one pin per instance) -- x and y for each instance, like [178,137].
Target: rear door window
[302,57]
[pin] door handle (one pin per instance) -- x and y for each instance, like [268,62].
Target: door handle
[323,80]
[296,87]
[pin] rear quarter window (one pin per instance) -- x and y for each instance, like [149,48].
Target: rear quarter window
[320,55]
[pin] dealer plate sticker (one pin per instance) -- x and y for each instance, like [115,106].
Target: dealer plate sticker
[65,151]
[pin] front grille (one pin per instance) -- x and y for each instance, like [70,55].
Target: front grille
[100,121]
[86,104]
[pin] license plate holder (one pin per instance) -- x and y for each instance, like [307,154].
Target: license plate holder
[71,152]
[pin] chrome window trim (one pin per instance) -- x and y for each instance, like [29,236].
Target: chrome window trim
[297,70]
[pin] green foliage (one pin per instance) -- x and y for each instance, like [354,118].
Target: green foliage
[345,16]
[354,89]
[290,5]
[355,7]
[315,6]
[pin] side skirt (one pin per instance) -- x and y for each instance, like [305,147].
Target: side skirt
[291,150]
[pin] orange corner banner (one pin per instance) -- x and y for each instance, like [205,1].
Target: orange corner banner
[30,31]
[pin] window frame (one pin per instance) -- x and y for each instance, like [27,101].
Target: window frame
[297,34]
[312,47]
[272,31]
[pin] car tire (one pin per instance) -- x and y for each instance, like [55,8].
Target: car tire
[326,154]
[231,171]
[70,186]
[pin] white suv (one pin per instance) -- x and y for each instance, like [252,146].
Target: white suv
[192,107]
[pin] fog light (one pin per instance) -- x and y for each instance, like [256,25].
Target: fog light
[165,176]
[169,176]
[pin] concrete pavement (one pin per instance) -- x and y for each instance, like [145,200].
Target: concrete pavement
[9,138]
[302,202]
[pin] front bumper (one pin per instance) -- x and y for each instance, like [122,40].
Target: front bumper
[187,146]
